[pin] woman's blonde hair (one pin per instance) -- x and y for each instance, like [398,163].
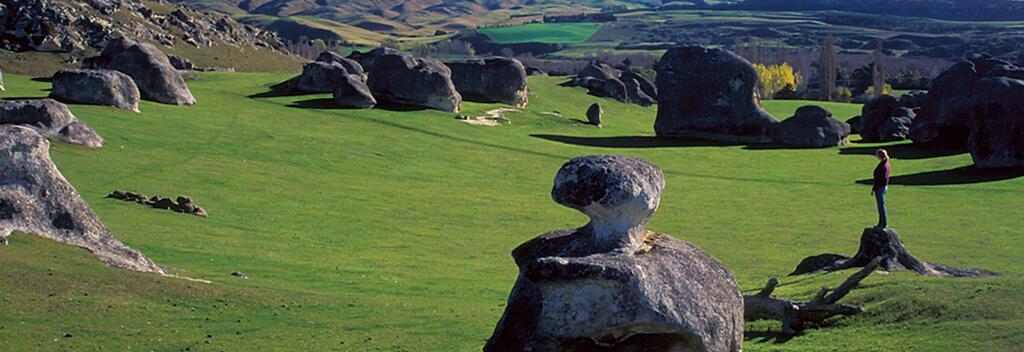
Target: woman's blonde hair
[881,153]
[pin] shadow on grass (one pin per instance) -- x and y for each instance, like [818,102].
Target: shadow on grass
[328,104]
[957,176]
[631,141]
[910,151]
[283,89]
[42,79]
[26,98]
[767,336]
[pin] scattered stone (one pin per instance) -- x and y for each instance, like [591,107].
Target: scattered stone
[181,63]
[708,93]
[494,117]
[594,114]
[239,275]
[97,87]
[399,78]
[217,69]
[351,92]
[606,285]
[499,80]
[50,118]
[627,87]
[183,204]
[156,79]
[812,126]
[36,199]
[996,137]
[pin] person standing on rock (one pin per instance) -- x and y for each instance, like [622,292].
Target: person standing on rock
[881,185]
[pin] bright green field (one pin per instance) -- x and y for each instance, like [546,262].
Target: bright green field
[378,230]
[561,33]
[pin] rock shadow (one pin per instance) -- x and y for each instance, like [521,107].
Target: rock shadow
[632,141]
[42,79]
[958,176]
[910,151]
[283,89]
[329,104]
[778,337]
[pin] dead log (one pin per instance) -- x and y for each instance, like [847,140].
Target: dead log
[886,244]
[796,316]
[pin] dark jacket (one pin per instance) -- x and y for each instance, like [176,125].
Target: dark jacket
[882,175]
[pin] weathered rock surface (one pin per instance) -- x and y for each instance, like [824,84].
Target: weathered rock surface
[498,80]
[812,126]
[398,78]
[50,118]
[351,92]
[947,108]
[913,100]
[181,63]
[156,79]
[997,123]
[897,127]
[36,199]
[321,77]
[709,93]
[883,120]
[594,114]
[351,66]
[606,285]
[97,87]
[627,87]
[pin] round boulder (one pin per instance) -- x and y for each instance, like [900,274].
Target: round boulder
[97,87]
[594,114]
[812,126]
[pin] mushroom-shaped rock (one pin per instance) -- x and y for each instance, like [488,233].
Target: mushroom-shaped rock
[351,92]
[36,199]
[320,77]
[50,118]
[709,93]
[97,87]
[399,78]
[594,114]
[613,285]
[812,126]
[491,81]
[997,124]
[156,79]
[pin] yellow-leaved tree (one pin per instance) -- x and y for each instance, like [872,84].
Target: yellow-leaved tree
[777,78]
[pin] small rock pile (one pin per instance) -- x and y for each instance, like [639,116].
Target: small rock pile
[184,204]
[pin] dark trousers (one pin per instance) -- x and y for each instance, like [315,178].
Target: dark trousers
[880,201]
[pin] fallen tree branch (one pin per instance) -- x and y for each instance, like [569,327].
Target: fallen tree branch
[796,315]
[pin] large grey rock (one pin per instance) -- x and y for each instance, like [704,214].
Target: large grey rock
[913,100]
[594,114]
[320,77]
[50,118]
[156,79]
[626,87]
[709,93]
[997,123]
[646,86]
[812,126]
[875,113]
[612,284]
[180,63]
[599,71]
[351,92]
[398,78]
[897,126]
[97,87]
[635,93]
[36,199]
[500,80]
[351,66]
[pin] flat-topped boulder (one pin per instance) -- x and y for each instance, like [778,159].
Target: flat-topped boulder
[498,80]
[708,93]
[149,67]
[51,118]
[605,286]
[812,126]
[96,87]
[36,199]
[398,78]
[996,137]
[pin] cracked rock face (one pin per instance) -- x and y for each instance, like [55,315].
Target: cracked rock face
[36,199]
[50,118]
[708,93]
[611,285]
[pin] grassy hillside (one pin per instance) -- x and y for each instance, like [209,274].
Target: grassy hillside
[380,230]
[560,33]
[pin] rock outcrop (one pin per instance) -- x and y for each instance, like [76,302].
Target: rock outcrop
[351,92]
[36,199]
[612,284]
[320,77]
[181,63]
[628,87]
[351,66]
[997,123]
[402,79]
[709,94]
[947,108]
[50,118]
[812,126]
[156,79]
[97,87]
[498,80]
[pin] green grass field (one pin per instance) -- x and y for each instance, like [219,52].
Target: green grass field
[561,33]
[379,230]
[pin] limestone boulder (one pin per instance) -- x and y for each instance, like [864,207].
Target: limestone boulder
[96,87]
[351,66]
[50,118]
[351,92]
[398,78]
[708,93]
[875,113]
[996,138]
[594,114]
[36,199]
[498,80]
[606,285]
[149,67]
[812,126]
[320,77]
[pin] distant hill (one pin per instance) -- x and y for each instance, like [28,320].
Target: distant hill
[960,10]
